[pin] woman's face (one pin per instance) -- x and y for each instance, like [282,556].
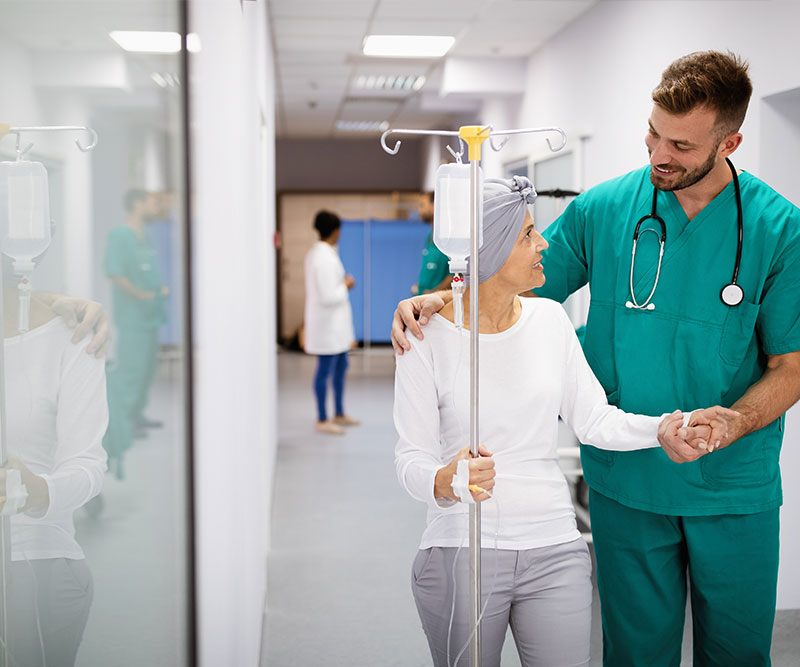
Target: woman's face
[523,268]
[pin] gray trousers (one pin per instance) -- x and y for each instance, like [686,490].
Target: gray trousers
[48,607]
[544,594]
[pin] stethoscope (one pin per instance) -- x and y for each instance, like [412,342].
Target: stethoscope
[731,294]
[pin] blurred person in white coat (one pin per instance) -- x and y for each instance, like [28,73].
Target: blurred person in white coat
[329,330]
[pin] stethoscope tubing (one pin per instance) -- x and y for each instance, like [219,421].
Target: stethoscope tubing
[653,215]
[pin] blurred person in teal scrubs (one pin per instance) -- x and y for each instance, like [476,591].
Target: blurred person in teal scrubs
[138,312]
[661,521]
[434,274]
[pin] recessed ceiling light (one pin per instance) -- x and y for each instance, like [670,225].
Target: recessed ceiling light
[362,125]
[407,46]
[390,82]
[141,41]
[166,79]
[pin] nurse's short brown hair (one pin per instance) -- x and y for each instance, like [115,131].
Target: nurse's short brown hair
[707,78]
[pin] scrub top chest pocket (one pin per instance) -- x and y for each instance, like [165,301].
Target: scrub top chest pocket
[738,332]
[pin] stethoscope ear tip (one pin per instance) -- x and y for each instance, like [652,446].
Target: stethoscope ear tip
[628,304]
[651,306]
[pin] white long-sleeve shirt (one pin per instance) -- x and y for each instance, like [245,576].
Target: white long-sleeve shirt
[56,414]
[529,375]
[328,316]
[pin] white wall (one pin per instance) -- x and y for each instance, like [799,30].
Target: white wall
[595,78]
[235,389]
[780,144]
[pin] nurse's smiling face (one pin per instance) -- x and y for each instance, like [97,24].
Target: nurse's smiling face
[523,270]
[683,148]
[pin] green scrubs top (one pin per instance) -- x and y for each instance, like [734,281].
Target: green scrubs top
[435,267]
[134,258]
[692,351]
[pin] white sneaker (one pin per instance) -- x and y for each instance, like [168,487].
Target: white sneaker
[330,428]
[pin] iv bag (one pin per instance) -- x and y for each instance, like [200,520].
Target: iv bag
[24,210]
[451,216]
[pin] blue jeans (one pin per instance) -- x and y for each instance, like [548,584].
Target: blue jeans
[330,365]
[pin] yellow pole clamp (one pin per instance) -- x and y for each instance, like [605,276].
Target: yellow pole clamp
[474,135]
[4,128]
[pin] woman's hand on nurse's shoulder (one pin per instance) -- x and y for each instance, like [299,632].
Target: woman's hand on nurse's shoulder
[481,473]
[405,317]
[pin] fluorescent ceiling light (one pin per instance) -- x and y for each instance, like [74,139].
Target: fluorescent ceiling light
[390,82]
[407,46]
[362,125]
[139,41]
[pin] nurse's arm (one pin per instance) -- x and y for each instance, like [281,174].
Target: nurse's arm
[407,312]
[83,316]
[766,400]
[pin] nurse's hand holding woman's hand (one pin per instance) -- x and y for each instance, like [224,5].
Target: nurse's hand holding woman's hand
[719,420]
[481,474]
[706,431]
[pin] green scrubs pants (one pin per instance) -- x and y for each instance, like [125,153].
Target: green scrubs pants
[128,384]
[643,561]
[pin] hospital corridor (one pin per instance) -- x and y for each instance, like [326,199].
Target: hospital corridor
[400,333]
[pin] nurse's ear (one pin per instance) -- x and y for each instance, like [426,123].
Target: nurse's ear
[729,144]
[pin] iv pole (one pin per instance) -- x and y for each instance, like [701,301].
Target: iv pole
[474,136]
[5,521]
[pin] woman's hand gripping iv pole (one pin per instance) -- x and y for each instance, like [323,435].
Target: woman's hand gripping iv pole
[466,478]
[471,480]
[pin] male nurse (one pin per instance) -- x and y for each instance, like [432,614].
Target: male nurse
[713,521]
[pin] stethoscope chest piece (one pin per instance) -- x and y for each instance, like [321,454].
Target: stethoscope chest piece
[732,294]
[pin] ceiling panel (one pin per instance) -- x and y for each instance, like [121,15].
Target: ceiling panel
[318,55]
[412,26]
[368,110]
[299,27]
[317,44]
[315,59]
[444,10]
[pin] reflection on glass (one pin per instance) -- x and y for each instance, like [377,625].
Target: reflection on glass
[55,419]
[92,456]
[138,312]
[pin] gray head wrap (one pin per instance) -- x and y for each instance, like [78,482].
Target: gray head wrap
[505,203]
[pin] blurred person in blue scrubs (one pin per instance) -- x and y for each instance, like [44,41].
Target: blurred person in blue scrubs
[163,233]
[663,524]
[138,293]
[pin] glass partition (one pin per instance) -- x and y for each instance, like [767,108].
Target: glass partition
[95,561]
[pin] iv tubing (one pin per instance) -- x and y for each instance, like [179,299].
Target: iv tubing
[457,287]
[24,289]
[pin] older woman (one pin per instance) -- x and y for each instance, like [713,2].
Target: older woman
[532,371]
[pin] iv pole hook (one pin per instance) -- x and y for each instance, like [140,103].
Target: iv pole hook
[531,130]
[393,151]
[92,140]
[390,151]
[84,148]
[458,155]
